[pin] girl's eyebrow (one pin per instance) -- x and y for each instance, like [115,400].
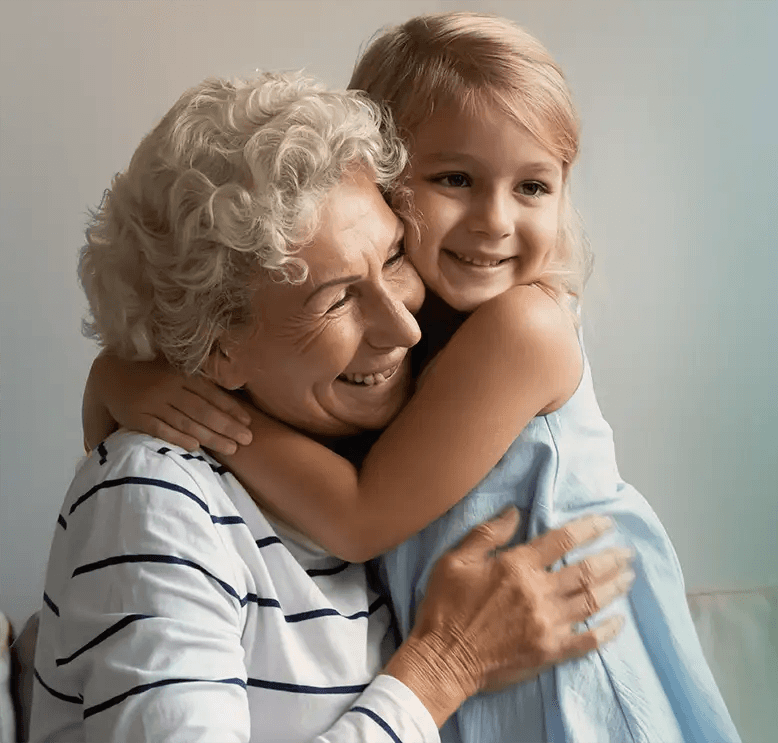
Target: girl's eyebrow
[540,167]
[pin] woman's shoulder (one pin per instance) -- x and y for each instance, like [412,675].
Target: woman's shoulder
[130,466]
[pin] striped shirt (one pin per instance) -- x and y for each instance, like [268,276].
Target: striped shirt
[174,611]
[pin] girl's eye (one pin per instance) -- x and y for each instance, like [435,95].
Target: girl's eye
[532,189]
[453,180]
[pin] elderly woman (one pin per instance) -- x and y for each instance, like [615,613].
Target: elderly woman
[175,608]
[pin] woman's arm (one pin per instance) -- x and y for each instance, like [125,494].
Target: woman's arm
[515,357]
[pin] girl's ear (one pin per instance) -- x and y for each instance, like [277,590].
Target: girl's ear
[223,366]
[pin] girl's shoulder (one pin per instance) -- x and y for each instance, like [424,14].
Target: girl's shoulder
[530,322]
[531,312]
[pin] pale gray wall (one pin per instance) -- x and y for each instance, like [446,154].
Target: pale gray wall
[677,184]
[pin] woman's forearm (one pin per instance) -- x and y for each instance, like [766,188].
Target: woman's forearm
[433,669]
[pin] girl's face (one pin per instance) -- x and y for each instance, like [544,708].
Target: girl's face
[489,197]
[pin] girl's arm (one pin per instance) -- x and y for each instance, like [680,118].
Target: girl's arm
[516,357]
[150,396]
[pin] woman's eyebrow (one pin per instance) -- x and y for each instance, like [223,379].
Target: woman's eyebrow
[328,284]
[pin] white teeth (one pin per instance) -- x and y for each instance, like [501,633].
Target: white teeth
[368,379]
[478,261]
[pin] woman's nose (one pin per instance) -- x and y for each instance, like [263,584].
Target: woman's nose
[494,214]
[393,323]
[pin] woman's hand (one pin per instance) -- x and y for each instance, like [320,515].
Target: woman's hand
[494,617]
[152,397]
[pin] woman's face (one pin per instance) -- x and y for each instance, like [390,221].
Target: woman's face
[329,356]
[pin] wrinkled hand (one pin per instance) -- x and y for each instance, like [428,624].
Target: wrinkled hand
[152,397]
[499,617]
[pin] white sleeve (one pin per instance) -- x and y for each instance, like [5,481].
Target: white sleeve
[386,711]
[148,624]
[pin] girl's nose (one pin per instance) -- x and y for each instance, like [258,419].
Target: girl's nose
[494,215]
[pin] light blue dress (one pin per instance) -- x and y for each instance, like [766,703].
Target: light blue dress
[649,685]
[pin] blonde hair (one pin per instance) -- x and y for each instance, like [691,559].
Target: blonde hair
[472,60]
[228,185]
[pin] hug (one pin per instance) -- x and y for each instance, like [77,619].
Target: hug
[267,251]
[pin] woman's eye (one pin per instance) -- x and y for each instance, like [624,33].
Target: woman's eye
[532,188]
[396,258]
[453,180]
[340,302]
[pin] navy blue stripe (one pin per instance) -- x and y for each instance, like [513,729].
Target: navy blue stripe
[268,540]
[217,468]
[313,572]
[166,559]
[113,701]
[254,599]
[227,520]
[61,521]
[139,481]
[316,613]
[50,603]
[103,452]
[58,694]
[303,689]
[112,630]
[379,721]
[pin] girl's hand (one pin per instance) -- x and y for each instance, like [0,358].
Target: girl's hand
[494,617]
[152,397]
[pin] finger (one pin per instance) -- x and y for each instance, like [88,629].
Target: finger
[221,400]
[555,544]
[161,430]
[578,645]
[202,435]
[202,411]
[595,569]
[592,599]
[492,534]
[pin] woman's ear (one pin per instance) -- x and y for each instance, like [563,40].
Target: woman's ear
[223,366]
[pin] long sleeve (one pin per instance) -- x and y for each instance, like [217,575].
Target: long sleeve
[141,625]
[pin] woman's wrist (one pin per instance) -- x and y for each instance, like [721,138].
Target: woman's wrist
[440,670]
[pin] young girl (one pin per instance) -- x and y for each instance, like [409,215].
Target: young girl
[504,412]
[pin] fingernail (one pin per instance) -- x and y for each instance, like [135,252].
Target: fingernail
[245,438]
[230,448]
[603,523]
